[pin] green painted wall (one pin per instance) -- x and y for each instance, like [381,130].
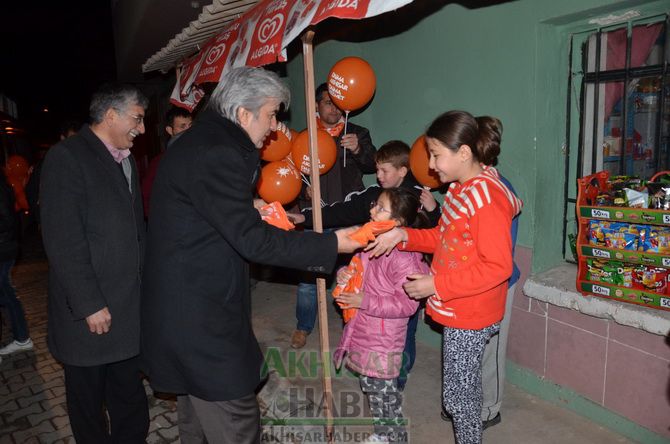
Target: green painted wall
[507,60]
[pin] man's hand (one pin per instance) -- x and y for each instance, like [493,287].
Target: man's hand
[419,286]
[386,242]
[427,199]
[344,243]
[350,300]
[99,322]
[350,142]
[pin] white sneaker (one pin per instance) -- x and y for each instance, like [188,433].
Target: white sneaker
[375,438]
[16,346]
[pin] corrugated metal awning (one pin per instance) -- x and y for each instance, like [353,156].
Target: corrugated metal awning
[212,19]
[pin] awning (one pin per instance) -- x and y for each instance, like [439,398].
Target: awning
[257,37]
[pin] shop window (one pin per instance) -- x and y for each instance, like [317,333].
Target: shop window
[618,105]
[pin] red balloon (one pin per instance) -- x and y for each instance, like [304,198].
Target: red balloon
[277,145]
[418,163]
[326,149]
[279,182]
[351,83]
[17,166]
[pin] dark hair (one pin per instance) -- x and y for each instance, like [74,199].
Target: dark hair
[405,207]
[115,95]
[70,125]
[175,112]
[481,134]
[394,152]
[318,94]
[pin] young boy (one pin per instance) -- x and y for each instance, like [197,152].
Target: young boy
[392,161]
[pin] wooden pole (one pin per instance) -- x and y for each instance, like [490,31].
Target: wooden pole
[310,106]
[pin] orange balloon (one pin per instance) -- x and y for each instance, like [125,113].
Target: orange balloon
[277,145]
[17,166]
[326,149]
[279,182]
[351,83]
[418,163]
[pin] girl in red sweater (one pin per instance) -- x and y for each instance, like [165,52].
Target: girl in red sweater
[472,257]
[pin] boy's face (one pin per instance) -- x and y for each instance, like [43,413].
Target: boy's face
[389,176]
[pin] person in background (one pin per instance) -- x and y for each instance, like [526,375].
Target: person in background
[335,184]
[197,335]
[472,257]
[94,235]
[68,128]
[9,248]
[178,120]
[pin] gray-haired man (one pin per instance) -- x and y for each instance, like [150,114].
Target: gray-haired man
[197,339]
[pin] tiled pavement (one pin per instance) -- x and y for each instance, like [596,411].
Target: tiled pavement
[32,390]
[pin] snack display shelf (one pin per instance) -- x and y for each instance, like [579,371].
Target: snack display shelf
[625,294]
[634,257]
[651,291]
[622,214]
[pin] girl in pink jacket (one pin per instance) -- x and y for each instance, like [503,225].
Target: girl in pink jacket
[374,339]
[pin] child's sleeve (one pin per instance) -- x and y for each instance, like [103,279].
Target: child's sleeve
[424,240]
[490,228]
[391,301]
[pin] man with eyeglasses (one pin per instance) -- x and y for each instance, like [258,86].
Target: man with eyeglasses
[94,236]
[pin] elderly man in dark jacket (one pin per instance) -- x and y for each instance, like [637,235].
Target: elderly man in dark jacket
[93,229]
[197,337]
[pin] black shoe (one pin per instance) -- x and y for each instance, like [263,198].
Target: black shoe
[491,422]
[485,424]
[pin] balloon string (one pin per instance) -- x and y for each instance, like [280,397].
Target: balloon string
[304,178]
[346,120]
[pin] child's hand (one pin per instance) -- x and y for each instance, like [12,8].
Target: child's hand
[386,242]
[296,218]
[350,300]
[427,200]
[343,276]
[419,286]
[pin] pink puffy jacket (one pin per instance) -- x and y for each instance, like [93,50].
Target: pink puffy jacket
[373,341]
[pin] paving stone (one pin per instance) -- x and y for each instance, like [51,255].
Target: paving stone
[61,421]
[170,433]
[62,435]
[58,390]
[9,406]
[53,402]
[24,402]
[23,435]
[49,414]
[33,408]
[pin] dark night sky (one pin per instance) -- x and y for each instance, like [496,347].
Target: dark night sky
[53,55]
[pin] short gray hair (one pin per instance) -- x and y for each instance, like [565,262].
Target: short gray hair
[115,95]
[249,88]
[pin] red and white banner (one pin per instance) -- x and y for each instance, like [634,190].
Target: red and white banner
[261,35]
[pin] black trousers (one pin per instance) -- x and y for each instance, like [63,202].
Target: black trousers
[116,387]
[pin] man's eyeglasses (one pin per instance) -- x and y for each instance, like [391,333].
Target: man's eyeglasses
[138,118]
[378,207]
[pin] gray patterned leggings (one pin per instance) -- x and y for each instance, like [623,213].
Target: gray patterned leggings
[462,352]
[385,406]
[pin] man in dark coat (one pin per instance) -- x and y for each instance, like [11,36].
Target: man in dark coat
[94,234]
[197,337]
